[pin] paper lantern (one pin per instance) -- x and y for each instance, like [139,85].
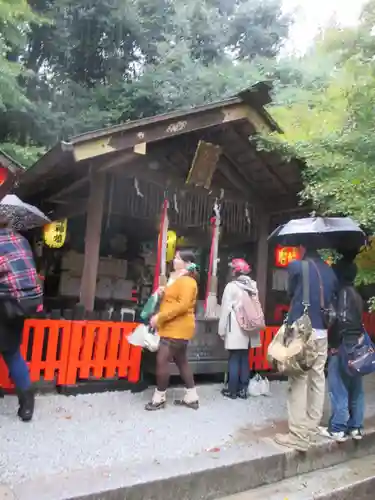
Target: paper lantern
[285,255]
[54,234]
[3,175]
[171,245]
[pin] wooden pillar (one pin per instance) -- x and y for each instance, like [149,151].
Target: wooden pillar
[262,257]
[94,219]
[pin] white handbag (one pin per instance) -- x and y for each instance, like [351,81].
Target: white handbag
[142,336]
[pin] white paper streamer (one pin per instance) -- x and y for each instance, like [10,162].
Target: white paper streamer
[217,211]
[136,186]
[247,214]
[175,203]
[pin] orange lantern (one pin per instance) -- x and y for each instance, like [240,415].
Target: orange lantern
[285,255]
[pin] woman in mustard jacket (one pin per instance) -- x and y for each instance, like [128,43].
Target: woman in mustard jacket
[175,324]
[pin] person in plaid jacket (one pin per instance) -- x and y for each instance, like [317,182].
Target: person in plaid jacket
[21,295]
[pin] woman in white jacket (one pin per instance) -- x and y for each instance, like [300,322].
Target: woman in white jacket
[236,341]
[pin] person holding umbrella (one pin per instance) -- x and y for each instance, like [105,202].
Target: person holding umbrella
[21,294]
[307,390]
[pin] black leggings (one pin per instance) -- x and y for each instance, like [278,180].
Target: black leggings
[172,350]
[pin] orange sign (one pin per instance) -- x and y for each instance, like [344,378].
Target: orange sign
[3,175]
[285,255]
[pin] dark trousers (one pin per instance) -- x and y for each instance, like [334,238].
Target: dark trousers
[239,370]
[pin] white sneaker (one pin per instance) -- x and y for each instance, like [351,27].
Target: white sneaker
[340,437]
[356,434]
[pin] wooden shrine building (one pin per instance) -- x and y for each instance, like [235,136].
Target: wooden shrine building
[127,170]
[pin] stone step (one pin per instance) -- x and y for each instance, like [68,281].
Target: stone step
[353,479]
[211,475]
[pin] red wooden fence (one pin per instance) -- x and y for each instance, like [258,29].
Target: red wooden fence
[68,351]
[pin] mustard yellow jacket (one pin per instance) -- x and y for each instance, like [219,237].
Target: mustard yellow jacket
[176,318]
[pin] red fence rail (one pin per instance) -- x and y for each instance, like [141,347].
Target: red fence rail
[100,349]
[67,351]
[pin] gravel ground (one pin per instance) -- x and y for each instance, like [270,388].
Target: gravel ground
[71,433]
[88,431]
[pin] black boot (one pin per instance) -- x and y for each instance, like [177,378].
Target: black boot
[227,394]
[27,402]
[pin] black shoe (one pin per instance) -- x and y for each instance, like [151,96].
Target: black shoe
[242,394]
[227,394]
[27,402]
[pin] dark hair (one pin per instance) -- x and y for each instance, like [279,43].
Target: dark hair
[346,272]
[236,274]
[189,256]
[4,221]
[311,252]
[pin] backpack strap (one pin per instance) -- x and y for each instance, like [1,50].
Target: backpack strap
[321,287]
[305,284]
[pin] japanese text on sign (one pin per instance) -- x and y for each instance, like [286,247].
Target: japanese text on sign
[285,255]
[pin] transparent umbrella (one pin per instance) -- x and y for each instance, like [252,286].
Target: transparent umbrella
[21,215]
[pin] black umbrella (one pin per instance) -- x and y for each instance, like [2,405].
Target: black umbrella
[320,232]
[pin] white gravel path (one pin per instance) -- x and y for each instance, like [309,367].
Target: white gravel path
[101,430]
[71,433]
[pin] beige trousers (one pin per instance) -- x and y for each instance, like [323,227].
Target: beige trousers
[306,397]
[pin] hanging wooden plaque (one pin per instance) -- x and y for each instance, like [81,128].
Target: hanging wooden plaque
[204,164]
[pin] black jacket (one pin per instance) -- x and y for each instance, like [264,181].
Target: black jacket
[348,325]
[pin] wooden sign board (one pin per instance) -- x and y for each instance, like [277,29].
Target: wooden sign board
[204,164]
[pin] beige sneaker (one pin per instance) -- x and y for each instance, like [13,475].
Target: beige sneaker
[158,402]
[191,399]
[290,441]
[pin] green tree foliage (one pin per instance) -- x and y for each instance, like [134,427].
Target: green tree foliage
[16,20]
[329,125]
[102,62]
[327,116]
[15,16]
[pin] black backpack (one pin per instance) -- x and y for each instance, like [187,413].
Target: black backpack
[349,311]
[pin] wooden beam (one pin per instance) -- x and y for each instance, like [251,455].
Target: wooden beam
[247,180]
[73,209]
[174,182]
[261,157]
[95,211]
[235,180]
[104,167]
[69,189]
[262,257]
[162,128]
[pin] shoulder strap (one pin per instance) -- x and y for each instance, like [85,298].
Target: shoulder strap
[321,289]
[305,283]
